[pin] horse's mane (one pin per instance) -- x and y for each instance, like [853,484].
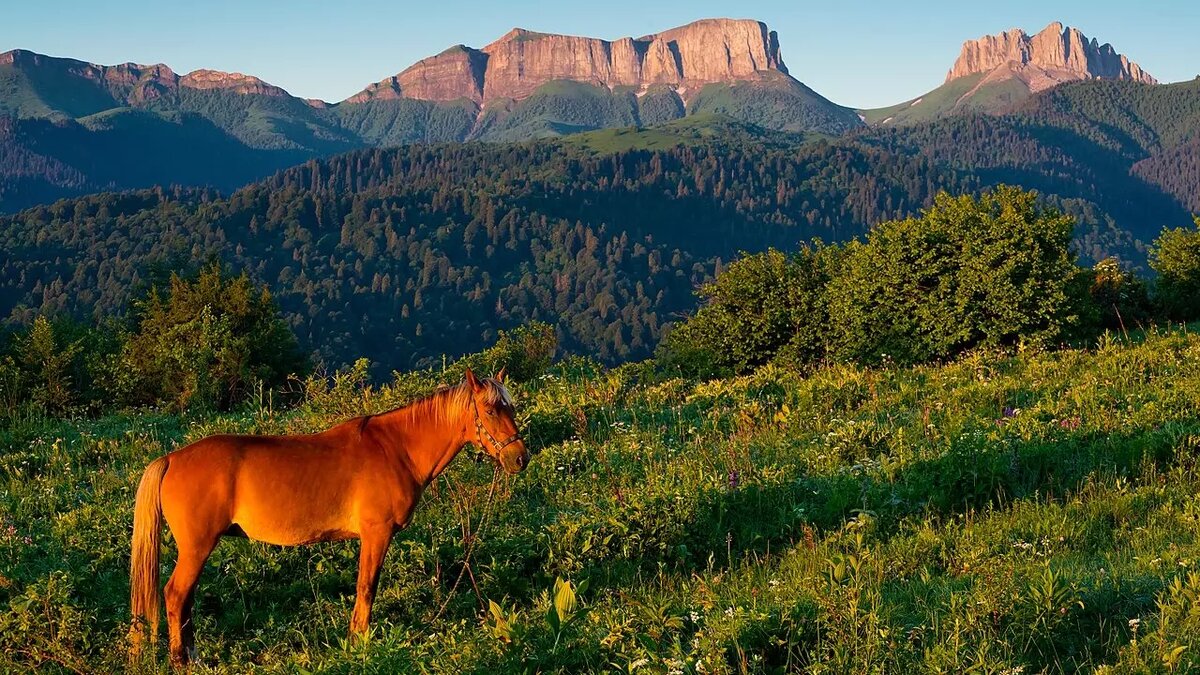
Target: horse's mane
[448,402]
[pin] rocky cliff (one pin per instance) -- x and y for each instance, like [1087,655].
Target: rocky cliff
[703,52]
[1057,54]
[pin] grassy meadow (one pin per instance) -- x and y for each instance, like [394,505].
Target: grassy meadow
[1025,513]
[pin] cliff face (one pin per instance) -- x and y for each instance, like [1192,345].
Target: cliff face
[1056,54]
[456,73]
[713,50]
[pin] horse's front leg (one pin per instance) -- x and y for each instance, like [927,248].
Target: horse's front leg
[375,542]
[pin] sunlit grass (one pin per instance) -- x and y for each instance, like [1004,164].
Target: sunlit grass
[1026,513]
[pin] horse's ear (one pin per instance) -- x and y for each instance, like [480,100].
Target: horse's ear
[500,375]
[475,386]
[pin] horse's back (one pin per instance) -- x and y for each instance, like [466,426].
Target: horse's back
[277,489]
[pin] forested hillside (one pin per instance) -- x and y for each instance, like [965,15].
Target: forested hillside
[403,255]
[407,254]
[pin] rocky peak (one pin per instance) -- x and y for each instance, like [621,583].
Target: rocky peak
[233,82]
[512,67]
[1057,54]
[456,73]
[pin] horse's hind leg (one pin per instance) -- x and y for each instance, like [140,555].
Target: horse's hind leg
[375,544]
[181,591]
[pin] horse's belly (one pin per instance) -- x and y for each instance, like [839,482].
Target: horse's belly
[289,535]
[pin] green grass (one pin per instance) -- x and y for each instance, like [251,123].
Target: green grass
[937,103]
[775,101]
[700,129]
[1029,513]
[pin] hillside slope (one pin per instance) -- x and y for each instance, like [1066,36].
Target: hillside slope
[1002,514]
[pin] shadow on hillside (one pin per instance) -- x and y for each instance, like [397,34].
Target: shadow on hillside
[758,518]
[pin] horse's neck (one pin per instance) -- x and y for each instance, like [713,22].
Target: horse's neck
[425,443]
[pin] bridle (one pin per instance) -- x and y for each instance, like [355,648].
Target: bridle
[481,431]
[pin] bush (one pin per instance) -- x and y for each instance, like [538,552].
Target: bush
[760,305]
[207,343]
[993,271]
[51,367]
[1121,299]
[1175,256]
[524,352]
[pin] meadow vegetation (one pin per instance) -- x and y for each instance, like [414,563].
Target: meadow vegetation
[1037,510]
[1006,486]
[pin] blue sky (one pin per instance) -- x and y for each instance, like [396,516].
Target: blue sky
[862,54]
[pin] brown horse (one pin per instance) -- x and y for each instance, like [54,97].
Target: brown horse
[360,479]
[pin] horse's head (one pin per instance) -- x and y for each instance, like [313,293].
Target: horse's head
[495,424]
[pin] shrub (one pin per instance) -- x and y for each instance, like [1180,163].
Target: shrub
[990,271]
[1175,256]
[207,342]
[761,304]
[1121,299]
[525,352]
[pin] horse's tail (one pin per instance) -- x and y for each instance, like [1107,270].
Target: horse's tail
[143,563]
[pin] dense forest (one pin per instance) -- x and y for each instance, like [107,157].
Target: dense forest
[404,255]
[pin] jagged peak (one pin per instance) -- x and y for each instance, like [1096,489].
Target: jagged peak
[1057,53]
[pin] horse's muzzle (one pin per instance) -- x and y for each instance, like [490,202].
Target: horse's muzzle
[515,458]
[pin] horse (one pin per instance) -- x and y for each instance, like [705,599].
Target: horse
[359,479]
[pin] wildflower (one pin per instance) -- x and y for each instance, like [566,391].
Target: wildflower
[734,479]
[1134,624]
[1010,411]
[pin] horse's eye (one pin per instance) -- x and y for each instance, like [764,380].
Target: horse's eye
[491,412]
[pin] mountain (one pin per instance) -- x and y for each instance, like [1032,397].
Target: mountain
[996,72]
[211,128]
[516,65]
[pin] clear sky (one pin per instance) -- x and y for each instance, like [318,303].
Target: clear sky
[858,53]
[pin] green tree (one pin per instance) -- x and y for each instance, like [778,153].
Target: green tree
[46,362]
[761,305]
[1175,256]
[524,352]
[206,343]
[989,271]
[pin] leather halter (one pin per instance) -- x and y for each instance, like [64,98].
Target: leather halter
[481,431]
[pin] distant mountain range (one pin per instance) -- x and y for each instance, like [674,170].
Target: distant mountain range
[71,127]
